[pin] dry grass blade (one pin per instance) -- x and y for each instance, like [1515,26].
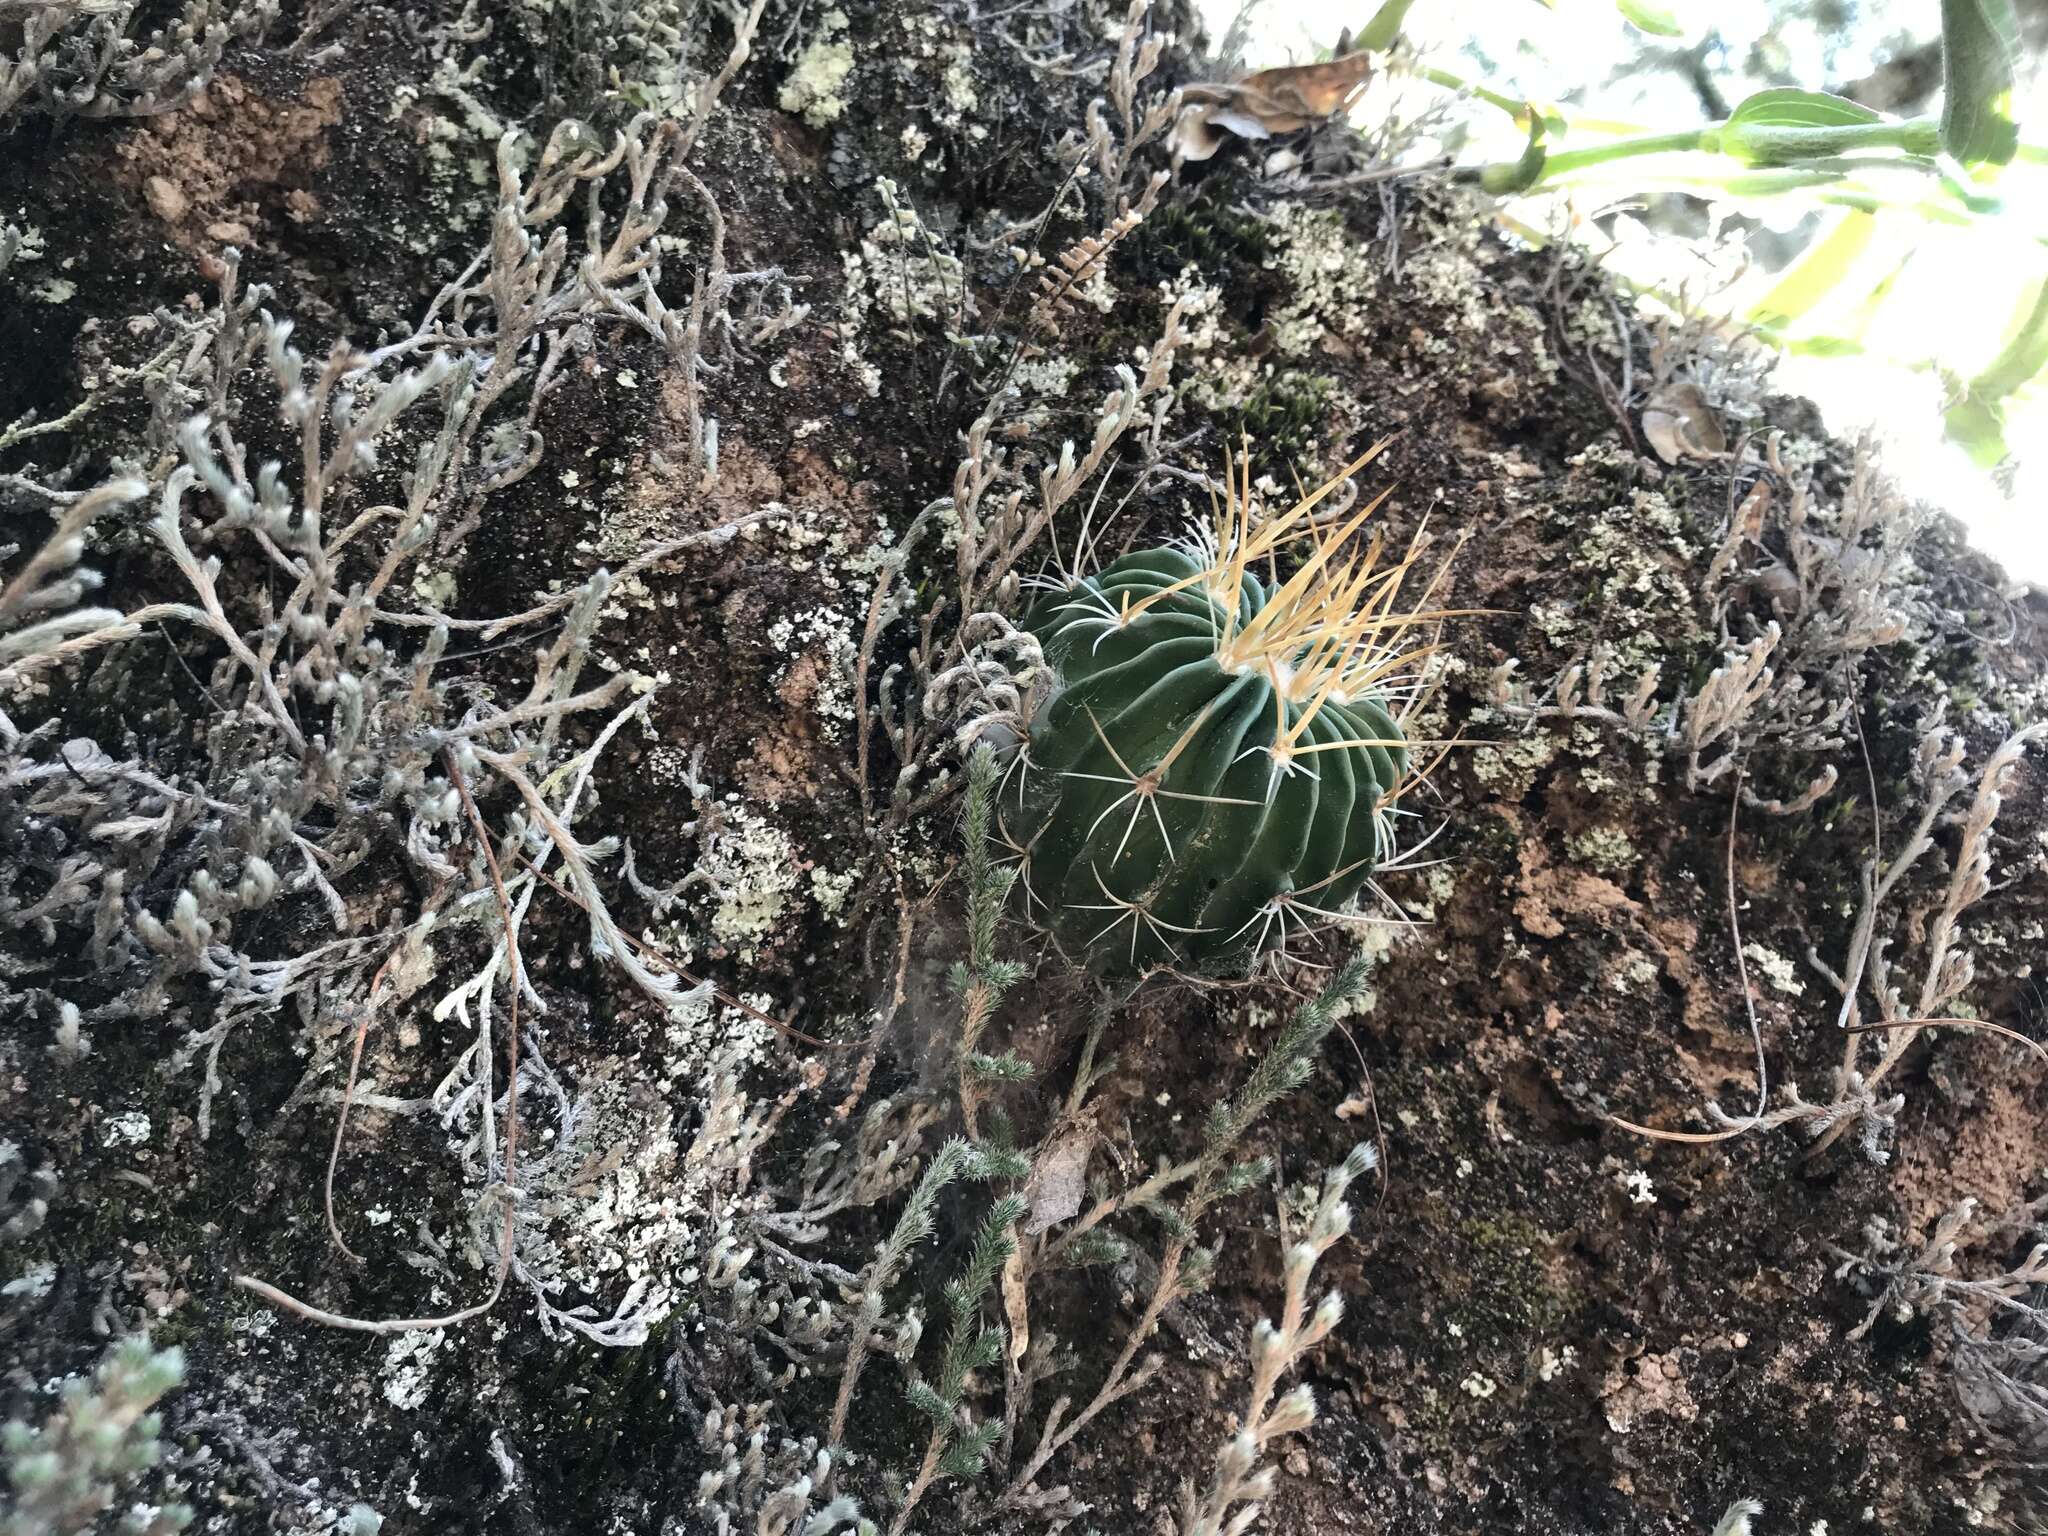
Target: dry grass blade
[348,1097]
[1985,1026]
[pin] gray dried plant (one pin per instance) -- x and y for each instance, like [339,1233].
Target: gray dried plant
[340,725]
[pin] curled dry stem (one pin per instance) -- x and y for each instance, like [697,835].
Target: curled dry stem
[509,1191]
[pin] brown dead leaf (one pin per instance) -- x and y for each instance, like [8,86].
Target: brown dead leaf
[1058,1180]
[1680,424]
[1749,517]
[1016,1304]
[1266,103]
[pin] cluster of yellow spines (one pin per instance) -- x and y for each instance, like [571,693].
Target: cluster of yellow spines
[1333,631]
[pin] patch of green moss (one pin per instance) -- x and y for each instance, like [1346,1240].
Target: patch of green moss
[1286,413]
[1216,240]
[1491,840]
[1512,1294]
[602,1397]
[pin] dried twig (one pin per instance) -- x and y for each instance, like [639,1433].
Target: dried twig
[508,1191]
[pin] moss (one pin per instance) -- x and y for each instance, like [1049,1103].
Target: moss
[1778,970]
[1215,238]
[1511,767]
[1333,286]
[1512,1292]
[754,870]
[1286,413]
[1492,838]
[603,1397]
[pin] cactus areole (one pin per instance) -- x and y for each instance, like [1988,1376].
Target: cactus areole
[1213,768]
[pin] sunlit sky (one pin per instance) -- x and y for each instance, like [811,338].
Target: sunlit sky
[1949,305]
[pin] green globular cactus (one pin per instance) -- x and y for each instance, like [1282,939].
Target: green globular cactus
[1215,767]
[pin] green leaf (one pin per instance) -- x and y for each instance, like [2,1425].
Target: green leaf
[927,1402]
[1976,421]
[1006,1068]
[1093,1247]
[2024,354]
[1002,1135]
[998,1162]
[1785,107]
[1826,346]
[1980,40]
[1243,1176]
[1850,335]
[1771,183]
[986,1349]
[1787,127]
[1817,272]
[1978,428]
[1004,974]
[1007,1212]
[971,1450]
[1650,18]
[1380,33]
[1167,1216]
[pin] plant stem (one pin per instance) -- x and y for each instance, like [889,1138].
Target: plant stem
[1518,110]
[914,1495]
[1754,146]
[1564,163]
[1109,1205]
